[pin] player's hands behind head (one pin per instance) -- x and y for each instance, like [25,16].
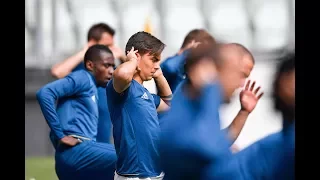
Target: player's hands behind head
[132,54]
[192,44]
[69,141]
[88,45]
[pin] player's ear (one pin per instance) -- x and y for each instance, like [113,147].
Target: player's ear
[138,56]
[89,65]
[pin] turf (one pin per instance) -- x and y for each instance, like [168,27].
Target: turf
[40,168]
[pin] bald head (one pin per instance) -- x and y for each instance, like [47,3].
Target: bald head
[235,49]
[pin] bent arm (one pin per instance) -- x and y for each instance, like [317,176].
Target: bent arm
[49,94]
[164,92]
[62,69]
[123,75]
[234,129]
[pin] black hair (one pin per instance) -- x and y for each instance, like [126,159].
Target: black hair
[287,65]
[144,42]
[94,53]
[95,32]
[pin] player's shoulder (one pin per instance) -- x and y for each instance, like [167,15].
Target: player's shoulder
[81,77]
[168,60]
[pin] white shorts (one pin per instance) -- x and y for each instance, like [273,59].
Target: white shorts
[119,177]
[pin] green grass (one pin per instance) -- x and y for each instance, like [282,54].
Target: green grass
[40,168]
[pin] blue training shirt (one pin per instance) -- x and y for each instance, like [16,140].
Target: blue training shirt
[104,124]
[135,130]
[269,158]
[76,112]
[190,134]
[173,70]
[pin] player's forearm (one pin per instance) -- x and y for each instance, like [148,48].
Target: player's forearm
[63,68]
[237,124]
[122,59]
[47,104]
[164,90]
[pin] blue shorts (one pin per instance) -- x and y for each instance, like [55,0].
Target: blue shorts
[87,160]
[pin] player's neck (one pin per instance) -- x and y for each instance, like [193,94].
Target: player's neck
[180,51]
[137,78]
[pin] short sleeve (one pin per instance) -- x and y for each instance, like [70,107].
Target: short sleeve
[114,96]
[156,100]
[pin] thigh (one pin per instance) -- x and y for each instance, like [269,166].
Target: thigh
[87,160]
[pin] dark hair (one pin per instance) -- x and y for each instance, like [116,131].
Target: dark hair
[195,55]
[96,31]
[94,53]
[145,43]
[286,66]
[244,50]
[198,35]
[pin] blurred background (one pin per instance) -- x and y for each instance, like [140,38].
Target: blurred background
[56,29]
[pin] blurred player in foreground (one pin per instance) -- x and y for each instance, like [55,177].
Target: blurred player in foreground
[98,34]
[133,109]
[248,96]
[271,158]
[190,133]
[74,122]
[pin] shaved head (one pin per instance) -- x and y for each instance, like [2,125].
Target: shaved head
[246,54]
[234,49]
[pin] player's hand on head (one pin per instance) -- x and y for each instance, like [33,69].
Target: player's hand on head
[132,54]
[88,45]
[192,44]
[158,73]
[69,141]
[250,96]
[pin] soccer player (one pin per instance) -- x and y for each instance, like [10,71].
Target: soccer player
[248,98]
[133,110]
[173,67]
[74,121]
[273,156]
[99,33]
[190,133]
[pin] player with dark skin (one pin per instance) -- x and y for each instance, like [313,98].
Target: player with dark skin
[73,120]
[102,71]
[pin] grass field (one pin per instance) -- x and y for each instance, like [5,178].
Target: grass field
[40,168]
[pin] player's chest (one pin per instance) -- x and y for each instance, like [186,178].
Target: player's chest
[143,98]
[89,102]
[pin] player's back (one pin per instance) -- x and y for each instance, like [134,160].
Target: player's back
[135,130]
[271,158]
[79,113]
